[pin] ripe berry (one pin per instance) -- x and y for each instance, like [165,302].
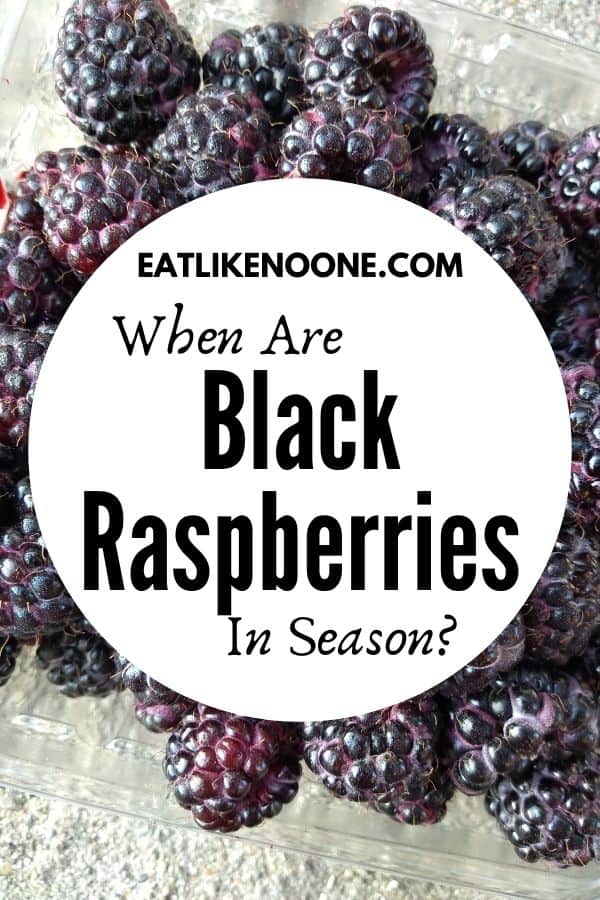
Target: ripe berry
[230,770]
[511,222]
[121,66]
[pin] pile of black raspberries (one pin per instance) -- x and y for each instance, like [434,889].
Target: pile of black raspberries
[520,724]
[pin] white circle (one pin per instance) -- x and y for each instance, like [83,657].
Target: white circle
[480,421]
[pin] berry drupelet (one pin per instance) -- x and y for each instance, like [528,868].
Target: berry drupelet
[348,143]
[510,221]
[563,610]
[121,66]
[528,149]
[388,758]
[573,190]
[79,662]
[526,713]
[375,58]
[157,707]
[265,62]
[230,770]
[24,211]
[33,600]
[582,384]
[551,811]
[98,201]
[216,139]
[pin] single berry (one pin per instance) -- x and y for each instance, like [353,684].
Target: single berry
[99,200]
[453,149]
[28,196]
[564,609]
[510,221]
[388,756]
[348,143]
[375,58]
[9,651]
[526,713]
[79,662]
[33,600]
[156,706]
[573,190]
[121,66]
[551,811]
[582,384]
[34,287]
[529,149]
[500,656]
[21,356]
[265,62]
[216,139]
[232,771]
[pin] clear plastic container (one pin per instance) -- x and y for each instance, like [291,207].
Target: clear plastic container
[94,752]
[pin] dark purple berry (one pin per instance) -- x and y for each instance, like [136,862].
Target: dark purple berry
[265,62]
[231,771]
[510,221]
[121,66]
